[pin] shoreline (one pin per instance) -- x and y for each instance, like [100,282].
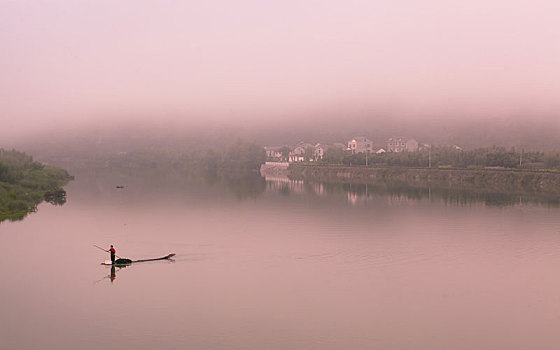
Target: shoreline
[476,180]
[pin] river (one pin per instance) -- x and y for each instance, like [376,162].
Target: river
[279,264]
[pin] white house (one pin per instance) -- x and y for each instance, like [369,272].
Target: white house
[320,151]
[360,144]
[401,144]
[294,158]
[298,153]
[380,151]
[273,152]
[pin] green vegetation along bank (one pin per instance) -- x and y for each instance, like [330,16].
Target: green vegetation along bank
[25,183]
[449,157]
[480,180]
[238,157]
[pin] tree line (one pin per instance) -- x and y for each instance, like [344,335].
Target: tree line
[239,157]
[449,157]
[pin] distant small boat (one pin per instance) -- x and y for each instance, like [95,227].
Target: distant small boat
[126,262]
[120,186]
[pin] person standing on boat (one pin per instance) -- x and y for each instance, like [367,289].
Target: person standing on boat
[113,253]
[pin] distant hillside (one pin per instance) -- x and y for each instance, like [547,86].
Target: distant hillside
[529,134]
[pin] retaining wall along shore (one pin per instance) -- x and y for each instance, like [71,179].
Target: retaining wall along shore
[465,179]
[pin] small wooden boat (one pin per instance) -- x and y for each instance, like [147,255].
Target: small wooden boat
[126,262]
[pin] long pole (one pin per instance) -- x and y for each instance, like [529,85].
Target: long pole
[98,247]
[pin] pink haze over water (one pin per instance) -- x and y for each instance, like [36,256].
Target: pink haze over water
[73,62]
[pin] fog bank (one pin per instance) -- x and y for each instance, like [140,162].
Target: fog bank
[378,67]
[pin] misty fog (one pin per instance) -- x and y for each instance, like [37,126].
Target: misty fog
[408,197]
[472,73]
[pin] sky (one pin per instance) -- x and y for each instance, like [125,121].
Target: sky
[72,62]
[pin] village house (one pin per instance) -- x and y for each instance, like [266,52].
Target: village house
[298,151]
[306,152]
[298,154]
[320,151]
[402,144]
[273,153]
[294,158]
[360,144]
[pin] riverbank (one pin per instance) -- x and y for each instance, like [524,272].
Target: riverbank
[274,169]
[25,183]
[487,180]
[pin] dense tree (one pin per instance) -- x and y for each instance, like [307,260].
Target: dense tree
[551,160]
[24,183]
[334,155]
[243,156]
[451,157]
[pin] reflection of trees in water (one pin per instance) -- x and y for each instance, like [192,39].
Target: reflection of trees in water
[155,183]
[285,190]
[25,183]
[18,206]
[15,216]
[57,197]
[357,192]
[245,185]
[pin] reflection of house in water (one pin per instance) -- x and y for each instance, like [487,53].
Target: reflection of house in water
[352,198]
[277,182]
[285,186]
[319,189]
[358,197]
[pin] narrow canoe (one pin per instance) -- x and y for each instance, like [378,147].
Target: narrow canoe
[123,262]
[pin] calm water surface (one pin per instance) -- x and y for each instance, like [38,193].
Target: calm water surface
[279,265]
